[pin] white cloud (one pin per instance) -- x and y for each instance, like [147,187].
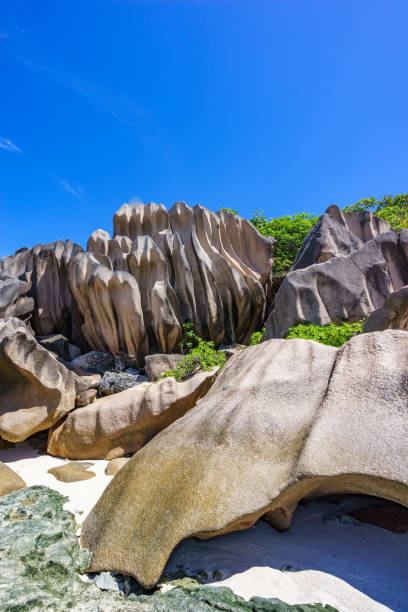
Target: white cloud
[72,188]
[7,145]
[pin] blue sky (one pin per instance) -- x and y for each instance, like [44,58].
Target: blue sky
[281,105]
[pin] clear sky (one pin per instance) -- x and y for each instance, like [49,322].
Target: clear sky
[281,105]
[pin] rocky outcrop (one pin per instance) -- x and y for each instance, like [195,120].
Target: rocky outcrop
[73,471]
[9,480]
[156,365]
[95,362]
[122,423]
[59,345]
[354,262]
[40,561]
[115,382]
[13,299]
[36,390]
[393,314]
[130,295]
[115,465]
[266,435]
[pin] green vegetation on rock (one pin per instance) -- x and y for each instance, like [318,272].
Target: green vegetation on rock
[200,355]
[256,337]
[393,209]
[333,335]
[289,232]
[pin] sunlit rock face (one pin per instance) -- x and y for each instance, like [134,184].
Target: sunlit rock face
[130,294]
[347,267]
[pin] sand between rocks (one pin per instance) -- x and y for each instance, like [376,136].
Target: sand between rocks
[353,566]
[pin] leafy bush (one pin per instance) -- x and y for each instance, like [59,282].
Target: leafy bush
[256,337]
[393,209]
[230,210]
[200,355]
[333,335]
[289,232]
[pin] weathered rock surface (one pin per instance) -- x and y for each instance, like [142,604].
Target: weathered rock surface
[13,299]
[85,397]
[115,382]
[115,465]
[393,314]
[72,471]
[354,264]
[156,365]
[36,390]
[9,480]
[119,424]
[129,295]
[40,560]
[338,233]
[58,344]
[96,362]
[285,419]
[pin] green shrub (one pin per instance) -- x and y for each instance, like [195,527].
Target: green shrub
[333,335]
[393,209]
[200,355]
[289,232]
[256,337]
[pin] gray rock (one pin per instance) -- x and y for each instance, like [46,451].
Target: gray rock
[393,314]
[156,365]
[115,382]
[96,362]
[347,280]
[13,299]
[338,233]
[58,344]
[40,560]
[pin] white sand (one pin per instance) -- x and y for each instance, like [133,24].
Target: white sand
[354,567]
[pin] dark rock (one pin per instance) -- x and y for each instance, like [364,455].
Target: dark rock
[115,382]
[58,344]
[391,517]
[393,314]
[95,362]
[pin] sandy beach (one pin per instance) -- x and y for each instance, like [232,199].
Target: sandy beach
[324,557]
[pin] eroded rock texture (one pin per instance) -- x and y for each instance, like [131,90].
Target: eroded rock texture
[36,390]
[130,294]
[119,424]
[285,419]
[348,266]
[393,314]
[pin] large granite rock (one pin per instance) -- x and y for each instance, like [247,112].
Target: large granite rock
[156,365]
[9,480]
[354,262]
[36,390]
[285,419]
[40,560]
[393,314]
[95,362]
[130,295]
[122,423]
[13,299]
